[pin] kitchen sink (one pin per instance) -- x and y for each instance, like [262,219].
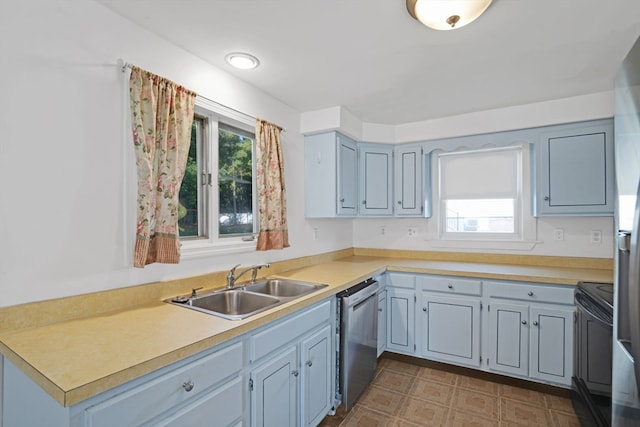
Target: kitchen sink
[283,287]
[248,299]
[234,303]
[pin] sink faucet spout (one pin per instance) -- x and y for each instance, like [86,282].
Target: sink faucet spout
[231,276]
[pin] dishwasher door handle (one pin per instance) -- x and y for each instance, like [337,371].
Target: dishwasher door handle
[362,301]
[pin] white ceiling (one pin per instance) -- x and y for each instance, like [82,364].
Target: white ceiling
[372,58]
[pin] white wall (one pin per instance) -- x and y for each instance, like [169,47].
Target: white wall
[62,112]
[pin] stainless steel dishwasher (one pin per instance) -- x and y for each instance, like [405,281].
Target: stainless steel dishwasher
[358,313]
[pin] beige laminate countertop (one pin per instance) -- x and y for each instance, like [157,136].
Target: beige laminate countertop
[80,358]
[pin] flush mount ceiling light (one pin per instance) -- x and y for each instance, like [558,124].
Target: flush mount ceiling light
[242,61]
[446,14]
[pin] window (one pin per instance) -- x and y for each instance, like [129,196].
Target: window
[217,196]
[480,194]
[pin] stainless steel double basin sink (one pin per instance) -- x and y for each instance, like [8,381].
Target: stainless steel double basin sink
[246,300]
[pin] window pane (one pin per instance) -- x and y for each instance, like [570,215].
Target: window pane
[190,209]
[480,216]
[235,181]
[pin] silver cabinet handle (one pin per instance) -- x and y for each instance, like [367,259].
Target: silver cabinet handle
[450,286]
[399,202]
[380,310]
[295,373]
[424,308]
[535,323]
[364,202]
[530,293]
[309,363]
[546,197]
[342,200]
[188,386]
[524,322]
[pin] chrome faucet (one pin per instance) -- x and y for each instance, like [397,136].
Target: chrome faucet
[231,276]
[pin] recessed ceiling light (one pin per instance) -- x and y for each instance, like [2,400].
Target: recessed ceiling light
[242,61]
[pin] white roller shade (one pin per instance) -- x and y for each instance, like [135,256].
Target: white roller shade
[480,174]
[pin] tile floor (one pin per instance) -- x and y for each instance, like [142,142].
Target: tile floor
[407,395]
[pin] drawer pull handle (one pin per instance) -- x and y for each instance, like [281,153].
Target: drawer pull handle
[380,310]
[535,323]
[450,286]
[188,386]
[524,322]
[424,308]
[530,293]
[295,373]
[309,363]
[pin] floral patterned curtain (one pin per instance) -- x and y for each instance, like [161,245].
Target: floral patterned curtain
[272,199]
[161,118]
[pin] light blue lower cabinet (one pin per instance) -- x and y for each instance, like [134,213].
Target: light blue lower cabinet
[274,394]
[518,329]
[509,338]
[401,320]
[450,329]
[292,383]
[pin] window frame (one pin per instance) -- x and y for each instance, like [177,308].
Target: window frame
[193,247]
[525,225]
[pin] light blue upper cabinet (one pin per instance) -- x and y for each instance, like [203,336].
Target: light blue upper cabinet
[375,180]
[574,170]
[331,175]
[412,181]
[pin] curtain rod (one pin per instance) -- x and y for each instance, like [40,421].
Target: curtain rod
[127,66]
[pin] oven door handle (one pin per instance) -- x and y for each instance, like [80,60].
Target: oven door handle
[582,304]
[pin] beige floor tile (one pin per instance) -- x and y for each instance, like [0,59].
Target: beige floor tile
[523,414]
[402,367]
[476,384]
[437,375]
[405,423]
[458,418]
[472,401]
[563,419]
[523,395]
[382,400]
[394,381]
[423,413]
[432,391]
[361,416]
[558,403]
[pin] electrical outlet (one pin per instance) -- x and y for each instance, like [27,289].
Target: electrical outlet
[412,231]
[383,230]
[315,234]
[558,234]
[596,237]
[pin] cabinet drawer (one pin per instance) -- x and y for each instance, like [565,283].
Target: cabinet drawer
[150,399]
[276,336]
[559,294]
[450,285]
[399,280]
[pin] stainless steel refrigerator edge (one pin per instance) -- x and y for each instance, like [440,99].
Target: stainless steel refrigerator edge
[626,343]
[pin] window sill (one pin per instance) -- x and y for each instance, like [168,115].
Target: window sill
[200,249]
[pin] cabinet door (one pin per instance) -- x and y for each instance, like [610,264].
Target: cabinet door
[575,174]
[376,166]
[408,181]
[382,322]
[552,345]
[275,391]
[451,329]
[316,377]
[509,338]
[347,203]
[401,320]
